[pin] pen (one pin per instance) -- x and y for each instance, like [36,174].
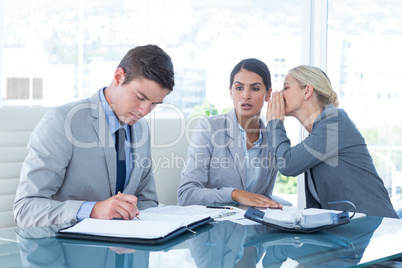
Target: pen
[219,207]
[123,218]
[138,217]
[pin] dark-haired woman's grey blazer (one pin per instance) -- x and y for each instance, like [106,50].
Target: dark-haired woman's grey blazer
[216,163]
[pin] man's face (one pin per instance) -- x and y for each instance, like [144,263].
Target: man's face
[136,99]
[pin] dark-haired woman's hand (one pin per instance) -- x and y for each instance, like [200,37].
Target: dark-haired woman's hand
[276,107]
[253,200]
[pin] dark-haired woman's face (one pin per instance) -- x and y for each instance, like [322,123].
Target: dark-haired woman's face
[248,93]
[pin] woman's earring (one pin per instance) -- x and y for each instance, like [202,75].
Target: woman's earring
[304,98]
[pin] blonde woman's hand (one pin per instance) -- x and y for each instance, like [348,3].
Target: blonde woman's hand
[276,107]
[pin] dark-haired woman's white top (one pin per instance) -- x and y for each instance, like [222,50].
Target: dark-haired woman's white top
[336,163]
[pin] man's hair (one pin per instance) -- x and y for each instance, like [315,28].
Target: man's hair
[149,62]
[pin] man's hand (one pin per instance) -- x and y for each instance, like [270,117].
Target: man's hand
[276,107]
[118,206]
[253,200]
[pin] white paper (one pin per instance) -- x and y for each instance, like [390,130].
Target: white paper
[279,217]
[126,229]
[217,214]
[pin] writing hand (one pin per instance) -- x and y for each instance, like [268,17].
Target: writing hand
[253,200]
[118,206]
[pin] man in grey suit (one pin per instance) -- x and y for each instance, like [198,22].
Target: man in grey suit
[73,171]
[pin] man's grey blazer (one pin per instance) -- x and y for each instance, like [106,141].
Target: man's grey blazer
[72,159]
[216,163]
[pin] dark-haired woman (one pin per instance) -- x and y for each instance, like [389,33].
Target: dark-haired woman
[228,157]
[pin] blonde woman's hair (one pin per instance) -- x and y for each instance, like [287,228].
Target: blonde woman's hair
[310,75]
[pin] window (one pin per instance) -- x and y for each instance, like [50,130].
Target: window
[364,43]
[49,59]
[18,88]
[64,57]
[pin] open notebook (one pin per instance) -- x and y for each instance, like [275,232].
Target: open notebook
[307,221]
[156,226]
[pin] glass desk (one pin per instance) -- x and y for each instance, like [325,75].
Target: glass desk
[361,242]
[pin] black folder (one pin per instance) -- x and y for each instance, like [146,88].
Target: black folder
[133,240]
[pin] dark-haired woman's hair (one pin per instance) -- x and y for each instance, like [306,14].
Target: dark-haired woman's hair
[255,66]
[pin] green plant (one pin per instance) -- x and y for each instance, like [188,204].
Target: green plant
[286,184]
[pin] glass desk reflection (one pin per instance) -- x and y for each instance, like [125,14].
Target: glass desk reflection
[361,242]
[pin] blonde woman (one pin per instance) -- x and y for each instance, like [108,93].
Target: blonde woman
[334,157]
